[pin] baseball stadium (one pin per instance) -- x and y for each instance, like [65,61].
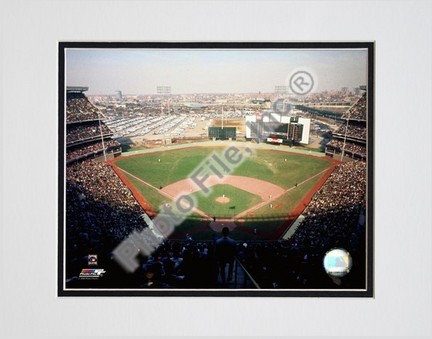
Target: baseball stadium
[283,206]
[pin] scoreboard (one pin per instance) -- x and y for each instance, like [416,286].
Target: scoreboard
[275,127]
[222,133]
[291,129]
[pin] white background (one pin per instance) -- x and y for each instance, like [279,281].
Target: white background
[30,31]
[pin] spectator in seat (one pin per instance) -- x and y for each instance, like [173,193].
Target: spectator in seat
[225,253]
[154,273]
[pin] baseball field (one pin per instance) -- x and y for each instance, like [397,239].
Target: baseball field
[259,199]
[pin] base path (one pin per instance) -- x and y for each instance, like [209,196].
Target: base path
[263,189]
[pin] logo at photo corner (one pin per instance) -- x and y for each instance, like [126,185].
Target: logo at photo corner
[91,273]
[302,81]
[92,260]
[337,262]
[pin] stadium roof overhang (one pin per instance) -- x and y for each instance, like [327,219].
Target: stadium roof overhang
[78,89]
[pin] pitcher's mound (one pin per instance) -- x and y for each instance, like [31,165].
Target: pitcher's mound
[222,200]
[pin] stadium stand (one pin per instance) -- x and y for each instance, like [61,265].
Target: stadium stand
[352,131]
[86,131]
[100,210]
[357,111]
[83,128]
[79,108]
[350,147]
[97,181]
[350,137]
[84,151]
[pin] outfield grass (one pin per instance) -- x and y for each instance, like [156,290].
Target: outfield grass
[239,201]
[272,167]
[153,197]
[285,204]
[174,165]
[266,165]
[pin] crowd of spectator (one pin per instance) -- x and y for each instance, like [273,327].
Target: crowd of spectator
[88,131]
[100,210]
[79,108]
[357,111]
[187,264]
[350,147]
[336,206]
[353,131]
[180,265]
[91,148]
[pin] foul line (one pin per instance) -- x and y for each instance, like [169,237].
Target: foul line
[162,192]
[266,202]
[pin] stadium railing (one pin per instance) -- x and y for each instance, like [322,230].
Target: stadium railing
[242,278]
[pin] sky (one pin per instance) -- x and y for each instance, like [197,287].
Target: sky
[140,71]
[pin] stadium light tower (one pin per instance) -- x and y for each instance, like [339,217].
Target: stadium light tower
[345,136]
[101,133]
[165,91]
[281,90]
